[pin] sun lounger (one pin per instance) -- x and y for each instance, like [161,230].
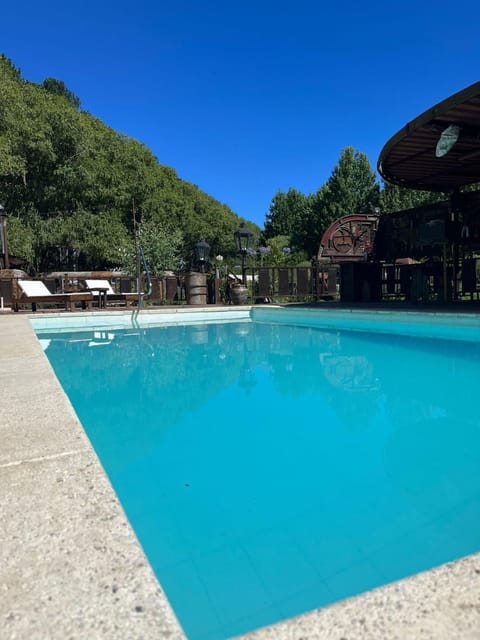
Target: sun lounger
[34,292]
[105,293]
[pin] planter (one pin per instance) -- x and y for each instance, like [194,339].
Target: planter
[239,294]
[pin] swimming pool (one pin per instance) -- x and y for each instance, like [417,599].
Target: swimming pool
[270,468]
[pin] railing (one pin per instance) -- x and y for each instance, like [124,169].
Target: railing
[352,282]
[470,278]
[265,284]
[430,281]
[276,284]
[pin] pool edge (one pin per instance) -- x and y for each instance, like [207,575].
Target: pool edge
[437,604]
[71,565]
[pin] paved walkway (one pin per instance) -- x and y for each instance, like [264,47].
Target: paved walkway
[70,565]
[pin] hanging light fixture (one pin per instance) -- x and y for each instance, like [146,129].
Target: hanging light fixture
[447,139]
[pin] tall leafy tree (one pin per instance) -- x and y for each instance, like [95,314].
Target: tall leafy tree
[58,88]
[351,188]
[395,198]
[287,213]
[290,214]
[8,69]
[161,247]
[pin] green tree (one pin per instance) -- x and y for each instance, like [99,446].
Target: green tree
[351,188]
[85,240]
[160,245]
[21,240]
[278,252]
[58,88]
[8,69]
[287,213]
[394,198]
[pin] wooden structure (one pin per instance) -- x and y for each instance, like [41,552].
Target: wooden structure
[320,281]
[414,156]
[351,238]
[437,151]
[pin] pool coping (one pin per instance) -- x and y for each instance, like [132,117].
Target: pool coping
[71,565]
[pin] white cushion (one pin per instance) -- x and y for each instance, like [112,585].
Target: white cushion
[102,284]
[34,288]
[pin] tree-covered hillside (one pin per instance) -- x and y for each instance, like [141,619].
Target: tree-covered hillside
[71,187]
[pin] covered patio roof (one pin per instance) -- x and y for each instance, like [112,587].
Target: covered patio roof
[411,157]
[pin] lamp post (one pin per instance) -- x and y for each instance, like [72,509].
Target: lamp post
[3,238]
[202,251]
[243,240]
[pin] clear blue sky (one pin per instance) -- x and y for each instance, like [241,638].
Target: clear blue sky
[245,98]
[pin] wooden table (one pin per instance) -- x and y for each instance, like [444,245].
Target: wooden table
[102,296]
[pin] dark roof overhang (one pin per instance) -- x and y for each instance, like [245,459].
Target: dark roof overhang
[408,159]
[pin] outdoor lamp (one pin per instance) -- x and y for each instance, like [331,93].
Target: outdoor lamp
[202,251]
[243,239]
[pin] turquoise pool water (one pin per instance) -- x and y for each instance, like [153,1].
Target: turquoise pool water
[270,469]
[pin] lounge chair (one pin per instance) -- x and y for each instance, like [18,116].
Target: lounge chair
[105,293]
[34,292]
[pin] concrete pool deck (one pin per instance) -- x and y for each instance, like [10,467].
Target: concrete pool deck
[71,566]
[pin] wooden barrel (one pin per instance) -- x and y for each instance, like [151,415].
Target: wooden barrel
[239,294]
[196,288]
[170,288]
